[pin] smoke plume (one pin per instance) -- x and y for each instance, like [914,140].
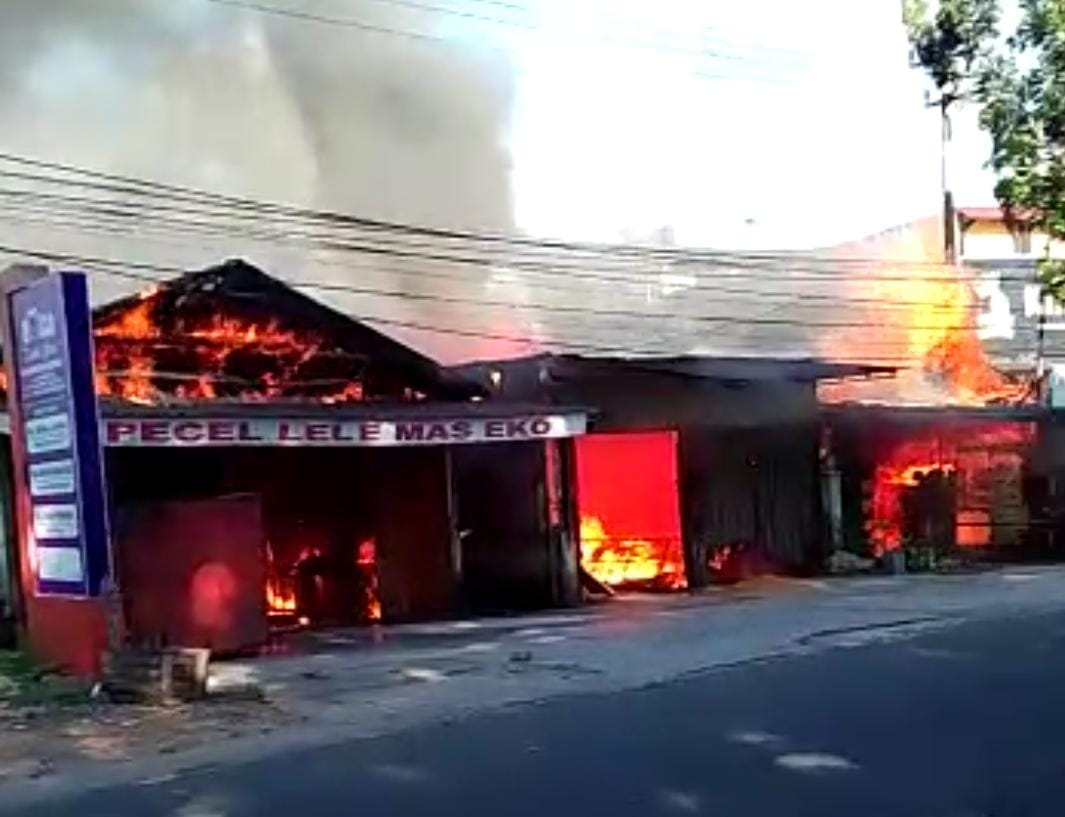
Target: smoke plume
[236,101]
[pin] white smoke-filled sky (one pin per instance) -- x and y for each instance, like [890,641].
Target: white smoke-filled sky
[765,123]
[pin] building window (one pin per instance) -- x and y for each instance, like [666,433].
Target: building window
[1022,239]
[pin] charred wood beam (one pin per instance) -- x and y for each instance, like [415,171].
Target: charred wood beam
[592,585]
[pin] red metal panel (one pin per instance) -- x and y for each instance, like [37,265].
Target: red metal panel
[193,574]
[630,481]
[630,517]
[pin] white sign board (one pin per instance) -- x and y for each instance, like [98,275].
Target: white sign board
[178,433]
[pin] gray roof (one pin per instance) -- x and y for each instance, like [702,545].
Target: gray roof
[806,370]
[854,412]
[540,369]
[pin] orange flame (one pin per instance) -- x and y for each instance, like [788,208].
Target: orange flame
[938,308]
[282,598]
[134,324]
[922,318]
[136,375]
[619,561]
[128,346]
[280,593]
[979,458]
[280,601]
[352,393]
[366,559]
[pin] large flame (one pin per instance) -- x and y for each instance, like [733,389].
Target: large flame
[140,361]
[979,463]
[618,561]
[921,318]
[136,376]
[926,327]
[282,593]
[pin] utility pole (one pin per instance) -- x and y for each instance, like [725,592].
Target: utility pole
[950,244]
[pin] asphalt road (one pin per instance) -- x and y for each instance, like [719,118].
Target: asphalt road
[968,722]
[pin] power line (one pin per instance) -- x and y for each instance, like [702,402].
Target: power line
[361,25]
[102,266]
[106,267]
[524,8]
[137,186]
[525,11]
[312,17]
[44,255]
[114,209]
[746,293]
[804,324]
[461,332]
[527,26]
[580,312]
[108,207]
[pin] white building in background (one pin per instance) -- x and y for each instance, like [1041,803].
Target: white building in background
[1022,327]
[985,235]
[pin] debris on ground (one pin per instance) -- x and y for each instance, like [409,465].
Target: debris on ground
[49,722]
[844,563]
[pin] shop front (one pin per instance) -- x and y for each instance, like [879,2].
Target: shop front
[228,525]
[695,469]
[272,464]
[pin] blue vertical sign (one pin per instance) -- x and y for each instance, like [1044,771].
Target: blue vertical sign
[59,423]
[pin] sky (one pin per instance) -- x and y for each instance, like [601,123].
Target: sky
[761,124]
[805,127]
[758,123]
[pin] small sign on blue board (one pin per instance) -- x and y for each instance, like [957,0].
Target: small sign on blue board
[58,419]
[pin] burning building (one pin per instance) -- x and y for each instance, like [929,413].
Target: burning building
[695,470]
[952,455]
[272,463]
[950,472]
[630,520]
[938,480]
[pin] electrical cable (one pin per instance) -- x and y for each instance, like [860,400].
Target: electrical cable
[103,208]
[580,312]
[362,25]
[145,187]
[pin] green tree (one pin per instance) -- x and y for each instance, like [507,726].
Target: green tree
[1017,78]
[952,43]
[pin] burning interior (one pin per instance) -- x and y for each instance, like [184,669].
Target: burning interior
[937,481]
[218,542]
[942,455]
[319,518]
[630,533]
[698,469]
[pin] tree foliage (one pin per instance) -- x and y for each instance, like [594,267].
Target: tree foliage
[1017,78]
[951,43]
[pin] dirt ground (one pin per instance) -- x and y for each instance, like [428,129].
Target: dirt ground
[48,724]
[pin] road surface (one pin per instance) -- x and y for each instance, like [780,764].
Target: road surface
[962,722]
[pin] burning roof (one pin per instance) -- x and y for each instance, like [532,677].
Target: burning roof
[925,315]
[232,332]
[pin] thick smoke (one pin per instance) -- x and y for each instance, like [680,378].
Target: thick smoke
[237,101]
[338,118]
